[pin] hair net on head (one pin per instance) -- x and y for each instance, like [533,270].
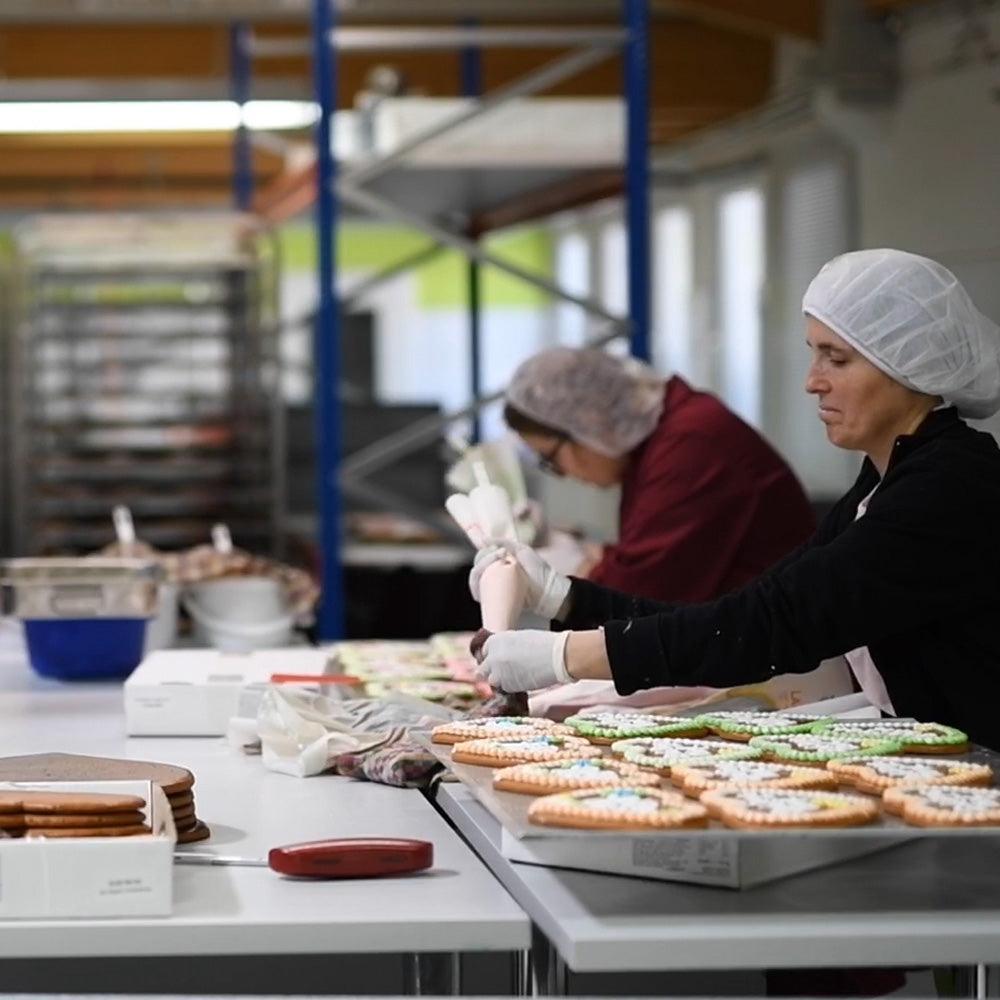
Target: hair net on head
[912,318]
[606,403]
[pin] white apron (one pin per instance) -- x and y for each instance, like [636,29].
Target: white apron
[860,660]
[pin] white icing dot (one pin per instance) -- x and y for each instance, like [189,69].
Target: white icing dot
[958,799]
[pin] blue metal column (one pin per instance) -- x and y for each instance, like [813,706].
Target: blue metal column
[239,71]
[472,86]
[636,13]
[326,390]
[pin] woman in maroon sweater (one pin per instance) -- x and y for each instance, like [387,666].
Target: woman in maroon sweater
[706,502]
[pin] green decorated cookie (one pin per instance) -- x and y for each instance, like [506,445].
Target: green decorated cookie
[818,748]
[916,737]
[606,727]
[743,725]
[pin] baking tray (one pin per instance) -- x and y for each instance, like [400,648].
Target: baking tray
[715,855]
[511,810]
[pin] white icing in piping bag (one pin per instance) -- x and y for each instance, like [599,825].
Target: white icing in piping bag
[501,594]
[460,508]
[492,507]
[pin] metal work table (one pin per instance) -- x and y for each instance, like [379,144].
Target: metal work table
[923,903]
[279,935]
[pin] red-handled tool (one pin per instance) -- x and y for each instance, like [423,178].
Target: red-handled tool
[350,857]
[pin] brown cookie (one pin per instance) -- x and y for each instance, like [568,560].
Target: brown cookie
[198,832]
[181,800]
[182,815]
[773,808]
[506,753]
[71,802]
[694,779]
[11,802]
[876,774]
[495,727]
[945,805]
[12,821]
[627,808]
[85,822]
[77,767]
[546,777]
[134,830]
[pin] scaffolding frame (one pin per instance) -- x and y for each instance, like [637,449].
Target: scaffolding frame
[588,46]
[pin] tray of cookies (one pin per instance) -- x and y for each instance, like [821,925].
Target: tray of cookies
[753,786]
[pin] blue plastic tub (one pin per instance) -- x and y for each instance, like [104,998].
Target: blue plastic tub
[85,648]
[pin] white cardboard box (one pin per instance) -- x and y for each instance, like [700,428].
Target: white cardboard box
[195,692]
[91,876]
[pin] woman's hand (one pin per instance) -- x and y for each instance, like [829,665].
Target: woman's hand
[547,590]
[530,659]
[524,660]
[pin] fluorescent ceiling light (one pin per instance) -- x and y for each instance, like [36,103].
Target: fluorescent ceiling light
[152,116]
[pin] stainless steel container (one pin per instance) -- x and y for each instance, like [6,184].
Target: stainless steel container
[68,588]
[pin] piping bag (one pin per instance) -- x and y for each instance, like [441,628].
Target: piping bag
[486,514]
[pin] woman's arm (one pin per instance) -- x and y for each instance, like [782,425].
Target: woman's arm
[912,560]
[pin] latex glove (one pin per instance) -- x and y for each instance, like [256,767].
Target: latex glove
[546,589]
[524,660]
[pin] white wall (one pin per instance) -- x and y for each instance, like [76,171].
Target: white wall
[928,168]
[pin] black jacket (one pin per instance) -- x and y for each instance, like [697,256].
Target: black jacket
[917,580]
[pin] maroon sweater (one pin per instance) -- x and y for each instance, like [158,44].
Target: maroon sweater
[707,504]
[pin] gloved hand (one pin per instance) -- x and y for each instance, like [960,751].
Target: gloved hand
[546,589]
[524,660]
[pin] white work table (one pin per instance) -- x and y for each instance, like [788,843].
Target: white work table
[458,907]
[923,903]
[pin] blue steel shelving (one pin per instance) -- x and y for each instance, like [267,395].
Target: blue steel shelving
[588,46]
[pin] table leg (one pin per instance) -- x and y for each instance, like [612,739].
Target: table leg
[548,968]
[520,974]
[432,974]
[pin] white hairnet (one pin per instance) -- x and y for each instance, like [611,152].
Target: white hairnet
[912,318]
[606,403]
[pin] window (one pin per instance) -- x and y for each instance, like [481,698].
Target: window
[673,276]
[572,253]
[741,276]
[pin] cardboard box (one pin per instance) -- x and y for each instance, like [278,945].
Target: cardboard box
[91,876]
[195,692]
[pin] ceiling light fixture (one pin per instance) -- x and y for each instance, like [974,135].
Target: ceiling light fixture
[152,116]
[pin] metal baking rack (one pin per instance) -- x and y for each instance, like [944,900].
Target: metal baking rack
[142,371]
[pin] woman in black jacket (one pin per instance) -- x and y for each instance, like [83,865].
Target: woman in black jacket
[903,576]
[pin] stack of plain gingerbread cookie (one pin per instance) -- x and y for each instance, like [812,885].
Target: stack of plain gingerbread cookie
[71,814]
[177,782]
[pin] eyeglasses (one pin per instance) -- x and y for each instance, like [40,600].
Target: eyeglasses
[547,460]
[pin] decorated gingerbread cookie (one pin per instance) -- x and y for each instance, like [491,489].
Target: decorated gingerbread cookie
[876,774]
[376,671]
[428,690]
[744,725]
[772,808]
[514,727]
[605,727]
[818,748]
[628,808]
[693,779]
[507,753]
[566,775]
[916,737]
[945,805]
[663,754]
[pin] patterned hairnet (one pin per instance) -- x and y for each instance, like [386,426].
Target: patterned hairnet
[912,318]
[606,403]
